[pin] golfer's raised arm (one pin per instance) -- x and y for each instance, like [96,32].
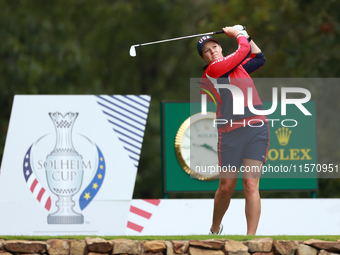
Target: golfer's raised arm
[254,48]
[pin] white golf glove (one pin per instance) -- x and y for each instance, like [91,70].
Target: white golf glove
[242,30]
[240,27]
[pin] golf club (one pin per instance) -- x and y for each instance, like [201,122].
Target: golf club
[133,47]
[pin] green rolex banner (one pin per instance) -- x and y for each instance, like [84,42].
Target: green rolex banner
[290,158]
[292,149]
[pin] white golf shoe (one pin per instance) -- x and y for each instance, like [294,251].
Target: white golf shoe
[219,231]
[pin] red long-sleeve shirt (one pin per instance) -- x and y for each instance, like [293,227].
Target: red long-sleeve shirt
[234,69]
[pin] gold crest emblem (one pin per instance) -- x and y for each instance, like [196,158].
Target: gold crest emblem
[283,135]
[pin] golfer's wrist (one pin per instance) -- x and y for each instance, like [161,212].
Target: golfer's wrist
[239,34]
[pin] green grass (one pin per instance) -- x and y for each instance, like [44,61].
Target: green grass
[167,238]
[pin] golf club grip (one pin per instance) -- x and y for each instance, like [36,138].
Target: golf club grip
[218,32]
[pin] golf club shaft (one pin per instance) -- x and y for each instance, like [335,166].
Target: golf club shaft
[180,38]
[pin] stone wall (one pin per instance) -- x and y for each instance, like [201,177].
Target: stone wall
[99,246]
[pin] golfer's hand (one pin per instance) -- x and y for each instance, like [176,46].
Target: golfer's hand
[240,27]
[231,31]
[242,30]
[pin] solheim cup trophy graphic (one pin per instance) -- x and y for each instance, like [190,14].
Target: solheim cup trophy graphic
[64,171]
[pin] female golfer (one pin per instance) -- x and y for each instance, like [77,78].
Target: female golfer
[242,139]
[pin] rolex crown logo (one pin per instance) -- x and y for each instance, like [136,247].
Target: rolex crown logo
[283,135]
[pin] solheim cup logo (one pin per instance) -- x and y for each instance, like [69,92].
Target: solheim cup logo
[53,164]
[64,171]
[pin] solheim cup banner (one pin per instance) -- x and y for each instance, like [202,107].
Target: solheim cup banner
[70,164]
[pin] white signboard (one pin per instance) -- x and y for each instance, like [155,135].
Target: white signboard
[194,217]
[70,163]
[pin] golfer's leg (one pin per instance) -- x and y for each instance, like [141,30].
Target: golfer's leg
[251,182]
[222,200]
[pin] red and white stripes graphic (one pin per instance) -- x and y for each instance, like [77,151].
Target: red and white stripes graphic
[140,213]
[33,184]
[39,192]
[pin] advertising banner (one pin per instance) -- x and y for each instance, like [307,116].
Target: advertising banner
[70,164]
[290,150]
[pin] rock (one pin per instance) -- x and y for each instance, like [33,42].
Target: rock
[209,244]
[259,245]
[169,248]
[263,253]
[77,247]
[306,250]
[152,253]
[323,252]
[198,251]
[24,253]
[58,247]
[6,253]
[98,245]
[2,244]
[25,246]
[154,246]
[285,247]
[126,246]
[324,245]
[97,253]
[180,247]
[335,248]
[232,247]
